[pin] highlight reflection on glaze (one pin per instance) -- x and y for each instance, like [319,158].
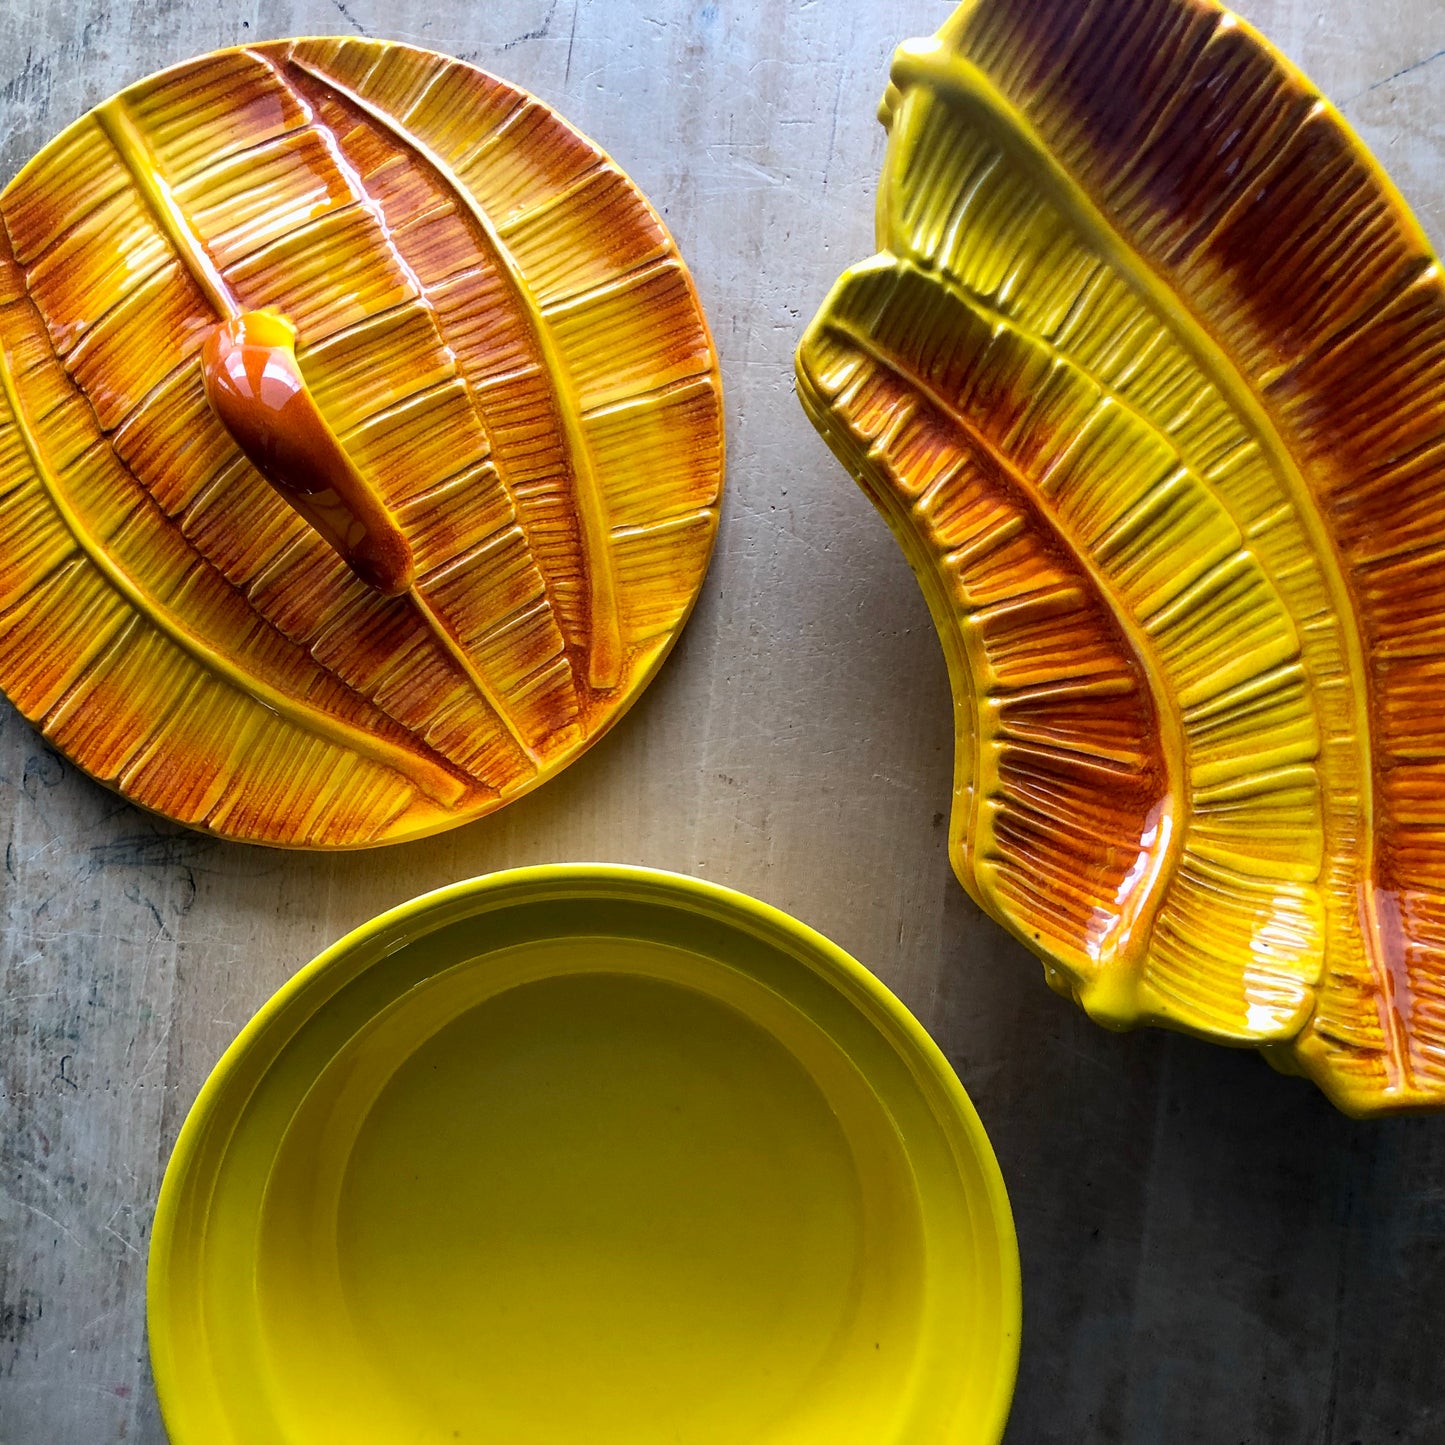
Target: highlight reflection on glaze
[256,388]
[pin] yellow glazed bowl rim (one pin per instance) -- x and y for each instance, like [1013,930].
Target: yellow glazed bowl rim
[225,1094]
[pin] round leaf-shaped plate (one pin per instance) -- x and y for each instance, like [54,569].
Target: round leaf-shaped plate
[360,442]
[587,1154]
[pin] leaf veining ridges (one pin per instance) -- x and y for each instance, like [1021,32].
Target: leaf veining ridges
[232,184]
[1099,250]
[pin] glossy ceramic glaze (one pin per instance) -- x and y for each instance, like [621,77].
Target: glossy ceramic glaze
[1148,376]
[360,442]
[259,393]
[585,1154]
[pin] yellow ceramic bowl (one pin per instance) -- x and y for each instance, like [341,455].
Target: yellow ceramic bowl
[584,1154]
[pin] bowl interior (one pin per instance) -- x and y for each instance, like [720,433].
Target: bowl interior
[604,1168]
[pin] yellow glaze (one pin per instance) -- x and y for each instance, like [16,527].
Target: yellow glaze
[584,1154]
[360,442]
[1145,376]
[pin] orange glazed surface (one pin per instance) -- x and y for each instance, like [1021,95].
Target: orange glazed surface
[459,523]
[1148,376]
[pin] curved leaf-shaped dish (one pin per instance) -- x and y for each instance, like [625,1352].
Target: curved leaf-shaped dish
[504,414]
[1149,378]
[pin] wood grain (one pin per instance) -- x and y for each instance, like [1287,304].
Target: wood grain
[1210,1253]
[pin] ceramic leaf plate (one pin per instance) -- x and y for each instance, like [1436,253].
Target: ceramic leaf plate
[1148,376]
[360,442]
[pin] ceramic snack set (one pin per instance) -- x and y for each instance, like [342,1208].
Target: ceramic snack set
[360,460]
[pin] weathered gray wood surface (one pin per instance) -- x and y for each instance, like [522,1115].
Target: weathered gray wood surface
[1210,1253]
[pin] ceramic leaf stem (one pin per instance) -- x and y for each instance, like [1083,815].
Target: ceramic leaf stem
[140,163]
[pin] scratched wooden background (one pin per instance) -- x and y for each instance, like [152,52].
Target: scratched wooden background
[1210,1254]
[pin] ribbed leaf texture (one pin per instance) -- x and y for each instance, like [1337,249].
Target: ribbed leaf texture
[499,332]
[1148,377]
